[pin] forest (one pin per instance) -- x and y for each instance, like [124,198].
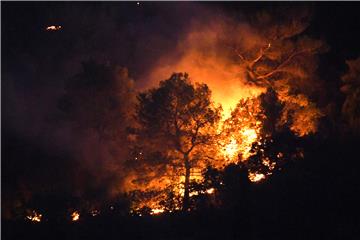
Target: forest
[237,121]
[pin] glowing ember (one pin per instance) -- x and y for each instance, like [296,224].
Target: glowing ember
[256,177]
[53,28]
[94,212]
[267,162]
[34,216]
[156,211]
[75,216]
[210,191]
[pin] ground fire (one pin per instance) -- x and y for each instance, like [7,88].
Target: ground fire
[34,216]
[75,216]
[53,28]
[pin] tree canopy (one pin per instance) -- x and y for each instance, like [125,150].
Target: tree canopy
[177,119]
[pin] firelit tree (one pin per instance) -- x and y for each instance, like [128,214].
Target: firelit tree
[285,60]
[178,118]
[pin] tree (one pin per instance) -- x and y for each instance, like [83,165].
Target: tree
[177,118]
[242,128]
[277,145]
[285,60]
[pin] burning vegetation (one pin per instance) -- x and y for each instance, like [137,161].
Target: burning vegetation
[240,93]
[75,216]
[184,128]
[186,121]
[34,216]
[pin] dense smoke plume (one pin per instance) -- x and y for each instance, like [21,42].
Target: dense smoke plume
[207,53]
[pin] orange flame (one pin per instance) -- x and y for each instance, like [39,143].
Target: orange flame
[75,216]
[256,177]
[34,216]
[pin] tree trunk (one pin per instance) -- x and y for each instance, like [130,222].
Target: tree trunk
[187,182]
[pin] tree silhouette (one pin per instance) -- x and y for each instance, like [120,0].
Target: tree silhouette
[177,118]
[277,144]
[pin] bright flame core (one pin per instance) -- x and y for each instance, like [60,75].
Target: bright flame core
[256,177]
[157,211]
[231,149]
[75,216]
[34,216]
[249,136]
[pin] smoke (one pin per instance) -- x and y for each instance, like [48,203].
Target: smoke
[39,64]
[207,53]
[212,51]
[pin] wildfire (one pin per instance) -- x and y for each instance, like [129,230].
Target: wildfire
[238,130]
[34,216]
[267,162]
[231,149]
[75,216]
[157,211]
[53,28]
[249,136]
[210,190]
[256,177]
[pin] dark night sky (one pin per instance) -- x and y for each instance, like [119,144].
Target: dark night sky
[35,63]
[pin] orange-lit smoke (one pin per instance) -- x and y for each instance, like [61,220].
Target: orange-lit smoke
[207,53]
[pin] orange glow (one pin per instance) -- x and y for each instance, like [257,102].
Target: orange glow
[267,162]
[231,149]
[34,216]
[210,191]
[156,211]
[75,216]
[206,53]
[237,134]
[256,177]
[249,136]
